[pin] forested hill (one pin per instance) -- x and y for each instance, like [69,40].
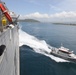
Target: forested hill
[29,20]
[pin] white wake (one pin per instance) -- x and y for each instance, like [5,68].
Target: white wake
[39,46]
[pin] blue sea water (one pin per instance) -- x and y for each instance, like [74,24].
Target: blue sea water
[35,63]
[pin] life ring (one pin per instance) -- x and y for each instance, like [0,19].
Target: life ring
[4,10]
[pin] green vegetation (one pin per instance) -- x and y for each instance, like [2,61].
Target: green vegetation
[29,20]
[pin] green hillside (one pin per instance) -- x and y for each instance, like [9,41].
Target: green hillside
[29,20]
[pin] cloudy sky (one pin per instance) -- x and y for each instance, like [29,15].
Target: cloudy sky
[44,10]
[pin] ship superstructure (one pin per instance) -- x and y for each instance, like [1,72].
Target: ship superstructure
[9,43]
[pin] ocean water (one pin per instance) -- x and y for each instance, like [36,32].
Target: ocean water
[36,41]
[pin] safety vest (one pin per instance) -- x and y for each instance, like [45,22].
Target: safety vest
[4,21]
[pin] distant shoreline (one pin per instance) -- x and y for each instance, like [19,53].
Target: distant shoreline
[65,24]
[36,21]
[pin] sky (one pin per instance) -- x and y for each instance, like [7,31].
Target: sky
[44,10]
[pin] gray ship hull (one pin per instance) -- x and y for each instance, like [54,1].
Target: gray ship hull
[9,61]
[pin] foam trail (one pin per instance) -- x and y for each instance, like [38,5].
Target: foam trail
[39,46]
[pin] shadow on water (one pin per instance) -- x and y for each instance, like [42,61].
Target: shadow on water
[33,63]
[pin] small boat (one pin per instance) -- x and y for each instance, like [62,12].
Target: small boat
[64,53]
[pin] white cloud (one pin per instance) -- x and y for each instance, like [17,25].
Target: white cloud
[64,14]
[67,5]
[63,17]
[37,15]
[55,7]
[57,17]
